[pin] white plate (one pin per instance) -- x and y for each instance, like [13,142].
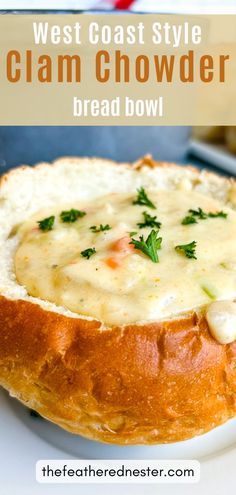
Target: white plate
[25,439]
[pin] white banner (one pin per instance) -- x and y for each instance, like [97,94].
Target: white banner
[118,471]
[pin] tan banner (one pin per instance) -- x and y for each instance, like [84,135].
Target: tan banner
[117,70]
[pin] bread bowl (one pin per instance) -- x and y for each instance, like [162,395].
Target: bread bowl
[119,345]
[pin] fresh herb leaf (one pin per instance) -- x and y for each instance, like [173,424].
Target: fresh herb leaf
[188,220]
[87,253]
[142,199]
[132,233]
[72,215]
[46,224]
[199,214]
[219,214]
[149,221]
[149,246]
[101,228]
[189,250]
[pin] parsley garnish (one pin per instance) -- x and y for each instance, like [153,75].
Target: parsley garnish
[199,214]
[71,215]
[142,199]
[189,250]
[46,224]
[101,228]
[149,221]
[87,253]
[189,219]
[220,214]
[133,232]
[150,246]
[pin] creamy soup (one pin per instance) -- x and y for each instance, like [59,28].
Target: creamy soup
[94,262]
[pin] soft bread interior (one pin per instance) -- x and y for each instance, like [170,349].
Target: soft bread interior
[26,190]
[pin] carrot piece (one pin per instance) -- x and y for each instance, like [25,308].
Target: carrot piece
[122,248]
[123,245]
[113,262]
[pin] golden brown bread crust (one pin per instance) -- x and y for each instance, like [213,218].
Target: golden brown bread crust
[152,383]
[148,383]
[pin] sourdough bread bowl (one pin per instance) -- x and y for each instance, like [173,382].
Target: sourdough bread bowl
[117,310]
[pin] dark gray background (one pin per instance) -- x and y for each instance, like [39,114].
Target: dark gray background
[32,144]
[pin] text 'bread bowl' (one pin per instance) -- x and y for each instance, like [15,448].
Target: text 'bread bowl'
[118,290]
